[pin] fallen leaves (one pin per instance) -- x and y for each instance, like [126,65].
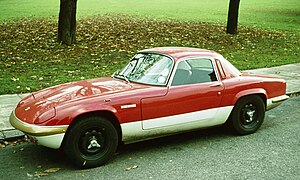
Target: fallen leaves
[41,174]
[14,79]
[31,59]
[46,172]
[131,168]
[4,143]
[27,39]
[52,170]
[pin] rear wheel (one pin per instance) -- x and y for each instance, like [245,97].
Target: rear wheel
[247,115]
[91,142]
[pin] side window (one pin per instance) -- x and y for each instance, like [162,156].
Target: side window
[194,71]
[183,74]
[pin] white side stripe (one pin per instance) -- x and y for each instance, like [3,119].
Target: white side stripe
[180,119]
[133,131]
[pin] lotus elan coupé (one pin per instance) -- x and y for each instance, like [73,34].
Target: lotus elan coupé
[161,91]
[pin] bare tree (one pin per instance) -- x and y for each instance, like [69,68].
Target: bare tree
[233,13]
[67,22]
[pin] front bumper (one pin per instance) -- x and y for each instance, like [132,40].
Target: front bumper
[276,101]
[49,136]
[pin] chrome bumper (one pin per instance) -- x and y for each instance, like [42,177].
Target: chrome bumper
[276,101]
[35,130]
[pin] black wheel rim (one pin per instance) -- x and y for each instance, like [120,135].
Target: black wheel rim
[92,142]
[249,116]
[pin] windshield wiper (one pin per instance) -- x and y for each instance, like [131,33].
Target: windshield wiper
[122,76]
[117,74]
[126,79]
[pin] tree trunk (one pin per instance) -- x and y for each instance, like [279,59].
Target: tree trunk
[233,13]
[67,22]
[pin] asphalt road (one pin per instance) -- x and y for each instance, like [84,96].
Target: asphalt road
[271,153]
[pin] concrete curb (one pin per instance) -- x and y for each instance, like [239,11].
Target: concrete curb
[7,104]
[294,94]
[11,135]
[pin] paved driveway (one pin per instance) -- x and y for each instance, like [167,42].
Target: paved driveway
[271,153]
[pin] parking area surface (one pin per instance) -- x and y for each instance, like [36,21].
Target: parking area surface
[271,153]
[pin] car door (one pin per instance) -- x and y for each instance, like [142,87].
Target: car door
[194,94]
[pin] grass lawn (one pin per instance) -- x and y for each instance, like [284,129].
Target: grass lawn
[269,34]
[273,14]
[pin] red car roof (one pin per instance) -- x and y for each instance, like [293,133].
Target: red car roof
[180,52]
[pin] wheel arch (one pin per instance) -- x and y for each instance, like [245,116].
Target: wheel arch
[259,92]
[100,113]
[234,121]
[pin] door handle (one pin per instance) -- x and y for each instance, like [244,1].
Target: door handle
[215,85]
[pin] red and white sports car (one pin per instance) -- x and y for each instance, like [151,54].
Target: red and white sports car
[161,91]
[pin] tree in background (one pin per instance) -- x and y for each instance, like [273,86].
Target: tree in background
[67,22]
[233,13]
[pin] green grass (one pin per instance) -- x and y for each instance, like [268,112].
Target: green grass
[30,58]
[271,14]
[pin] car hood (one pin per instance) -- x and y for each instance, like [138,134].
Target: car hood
[82,89]
[42,104]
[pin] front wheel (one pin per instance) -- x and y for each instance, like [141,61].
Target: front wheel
[91,142]
[247,115]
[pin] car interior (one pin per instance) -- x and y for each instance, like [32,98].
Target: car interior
[190,73]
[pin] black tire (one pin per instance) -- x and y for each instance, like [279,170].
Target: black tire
[247,115]
[91,142]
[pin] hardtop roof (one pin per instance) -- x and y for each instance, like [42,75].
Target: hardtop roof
[181,52]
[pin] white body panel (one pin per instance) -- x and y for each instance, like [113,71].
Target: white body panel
[133,131]
[202,116]
[51,141]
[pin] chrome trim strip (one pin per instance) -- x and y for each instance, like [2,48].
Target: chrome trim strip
[280,99]
[128,106]
[276,101]
[36,130]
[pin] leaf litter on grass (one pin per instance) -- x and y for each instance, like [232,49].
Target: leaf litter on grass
[29,51]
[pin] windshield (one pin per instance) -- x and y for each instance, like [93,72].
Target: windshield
[153,69]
